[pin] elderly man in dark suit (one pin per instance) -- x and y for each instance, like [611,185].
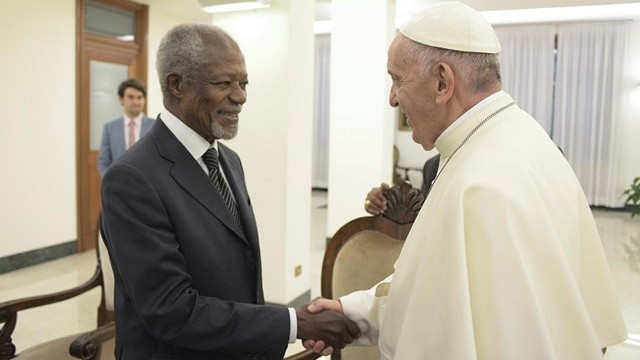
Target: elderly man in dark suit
[180,229]
[120,134]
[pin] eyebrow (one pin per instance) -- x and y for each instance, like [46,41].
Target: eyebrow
[231,76]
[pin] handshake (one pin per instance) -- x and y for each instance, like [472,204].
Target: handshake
[323,327]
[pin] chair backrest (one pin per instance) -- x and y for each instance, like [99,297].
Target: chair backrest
[363,252]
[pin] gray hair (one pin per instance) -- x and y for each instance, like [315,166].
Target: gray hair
[182,50]
[478,72]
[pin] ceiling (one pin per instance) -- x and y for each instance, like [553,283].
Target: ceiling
[189,9]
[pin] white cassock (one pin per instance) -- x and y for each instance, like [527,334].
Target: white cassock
[504,260]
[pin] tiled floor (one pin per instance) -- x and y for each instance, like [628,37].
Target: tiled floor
[621,240]
[620,236]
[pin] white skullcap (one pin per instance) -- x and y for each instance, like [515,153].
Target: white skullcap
[454,26]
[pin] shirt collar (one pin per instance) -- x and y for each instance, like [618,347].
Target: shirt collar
[137,120]
[467,114]
[195,144]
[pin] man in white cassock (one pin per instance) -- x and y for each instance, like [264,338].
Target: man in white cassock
[504,260]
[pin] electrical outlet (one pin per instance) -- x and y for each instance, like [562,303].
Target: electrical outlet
[298,271]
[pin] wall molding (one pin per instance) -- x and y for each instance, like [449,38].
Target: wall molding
[38,256]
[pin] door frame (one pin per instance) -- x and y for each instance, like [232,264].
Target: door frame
[89,47]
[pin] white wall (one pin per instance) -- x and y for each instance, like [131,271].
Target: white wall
[361,120]
[274,140]
[37,141]
[38,137]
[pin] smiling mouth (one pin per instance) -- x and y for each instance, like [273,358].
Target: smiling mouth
[229,116]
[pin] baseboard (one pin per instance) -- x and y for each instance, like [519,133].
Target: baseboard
[303,299]
[34,257]
[626,208]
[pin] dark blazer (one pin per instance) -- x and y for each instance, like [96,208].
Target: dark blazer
[113,143]
[429,172]
[187,278]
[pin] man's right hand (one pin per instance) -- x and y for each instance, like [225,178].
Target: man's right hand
[376,203]
[330,327]
[318,305]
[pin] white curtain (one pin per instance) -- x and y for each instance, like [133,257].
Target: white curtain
[527,60]
[591,106]
[320,165]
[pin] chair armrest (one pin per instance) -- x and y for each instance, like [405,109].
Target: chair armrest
[13,306]
[9,309]
[87,345]
[304,355]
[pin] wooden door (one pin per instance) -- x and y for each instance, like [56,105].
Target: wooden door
[104,60]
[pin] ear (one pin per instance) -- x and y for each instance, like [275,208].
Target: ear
[175,85]
[446,83]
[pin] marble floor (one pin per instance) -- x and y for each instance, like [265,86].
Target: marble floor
[620,236]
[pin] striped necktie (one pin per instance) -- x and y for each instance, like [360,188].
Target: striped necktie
[210,158]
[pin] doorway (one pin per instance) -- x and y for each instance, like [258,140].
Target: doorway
[111,47]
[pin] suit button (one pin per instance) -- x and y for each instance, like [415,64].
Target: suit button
[248,254]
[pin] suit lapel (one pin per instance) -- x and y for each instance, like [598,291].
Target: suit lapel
[233,171]
[118,136]
[187,172]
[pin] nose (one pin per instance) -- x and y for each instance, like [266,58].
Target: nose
[393,97]
[238,95]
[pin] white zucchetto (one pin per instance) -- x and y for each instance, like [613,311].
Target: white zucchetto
[453,26]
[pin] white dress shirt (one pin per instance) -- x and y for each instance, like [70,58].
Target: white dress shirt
[138,127]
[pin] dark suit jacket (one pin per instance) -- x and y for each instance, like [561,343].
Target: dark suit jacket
[113,143]
[187,278]
[429,172]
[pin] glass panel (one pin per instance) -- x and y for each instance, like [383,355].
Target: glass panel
[104,104]
[110,21]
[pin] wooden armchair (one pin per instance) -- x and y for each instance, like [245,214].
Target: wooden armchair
[363,252]
[79,346]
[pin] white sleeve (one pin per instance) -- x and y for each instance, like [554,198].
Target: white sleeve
[366,310]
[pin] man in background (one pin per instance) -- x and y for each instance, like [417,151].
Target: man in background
[120,134]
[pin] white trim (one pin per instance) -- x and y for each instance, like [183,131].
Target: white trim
[552,14]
